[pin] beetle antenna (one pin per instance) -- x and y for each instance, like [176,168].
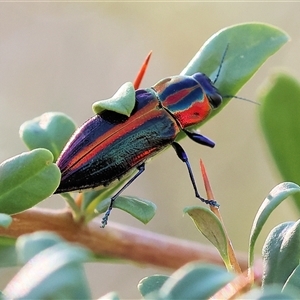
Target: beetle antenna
[241,98]
[218,74]
[221,64]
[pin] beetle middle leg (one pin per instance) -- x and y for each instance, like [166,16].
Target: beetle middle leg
[141,169]
[183,156]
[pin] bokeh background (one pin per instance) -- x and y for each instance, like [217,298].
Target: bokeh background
[65,56]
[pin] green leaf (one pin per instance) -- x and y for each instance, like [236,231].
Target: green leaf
[8,255]
[279,118]
[281,253]
[211,228]
[5,220]
[54,273]
[51,131]
[276,196]
[293,282]
[141,209]
[29,245]
[195,281]
[26,180]
[249,46]
[272,292]
[91,199]
[121,102]
[151,284]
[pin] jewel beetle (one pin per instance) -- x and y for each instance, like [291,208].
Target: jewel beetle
[110,145]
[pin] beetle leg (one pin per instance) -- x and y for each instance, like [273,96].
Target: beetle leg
[199,138]
[183,156]
[141,169]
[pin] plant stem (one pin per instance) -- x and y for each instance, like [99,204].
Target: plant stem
[116,240]
[75,209]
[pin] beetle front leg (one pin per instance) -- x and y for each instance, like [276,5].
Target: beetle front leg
[141,169]
[199,138]
[183,156]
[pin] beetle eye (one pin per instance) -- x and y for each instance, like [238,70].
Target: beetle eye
[215,100]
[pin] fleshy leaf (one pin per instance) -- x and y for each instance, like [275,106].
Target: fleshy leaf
[51,131]
[121,102]
[29,245]
[279,118]
[5,220]
[281,253]
[293,282]
[92,199]
[195,281]
[276,196]
[26,180]
[211,228]
[249,46]
[141,209]
[151,284]
[272,292]
[54,273]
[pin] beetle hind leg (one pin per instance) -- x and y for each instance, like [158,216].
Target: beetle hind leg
[183,157]
[141,169]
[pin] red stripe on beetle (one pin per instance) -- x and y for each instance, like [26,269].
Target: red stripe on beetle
[177,96]
[194,114]
[149,112]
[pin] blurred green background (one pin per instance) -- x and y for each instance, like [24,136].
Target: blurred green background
[65,56]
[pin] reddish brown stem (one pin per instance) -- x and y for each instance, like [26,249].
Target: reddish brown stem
[116,240]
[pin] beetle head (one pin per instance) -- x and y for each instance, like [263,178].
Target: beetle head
[212,93]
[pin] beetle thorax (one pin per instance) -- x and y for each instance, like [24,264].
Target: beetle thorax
[184,98]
